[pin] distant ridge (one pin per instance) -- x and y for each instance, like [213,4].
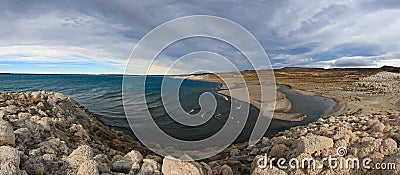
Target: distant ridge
[301,69]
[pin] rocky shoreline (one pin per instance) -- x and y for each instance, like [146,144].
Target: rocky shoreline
[49,133]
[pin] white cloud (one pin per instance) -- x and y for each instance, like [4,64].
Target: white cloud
[56,54]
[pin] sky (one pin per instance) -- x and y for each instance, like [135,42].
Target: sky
[98,36]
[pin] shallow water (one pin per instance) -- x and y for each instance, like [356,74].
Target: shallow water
[102,95]
[314,107]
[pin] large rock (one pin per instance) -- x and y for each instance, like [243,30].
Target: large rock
[40,105]
[377,127]
[35,94]
[9,161]
[45,123]
[121,166]
[226,170]
[22,135]
[88,168]
[55,98]
[3,113]
[24,116]
[81,161]
[80,155]
[129,163]
[312,143]
[149,166]
[7,136]
[11,109]
[134,156]
[80,132]
[173,166]
[279,151]
[388,146]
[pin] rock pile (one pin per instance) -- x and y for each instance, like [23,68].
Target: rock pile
[382,82]
[374,136]
[49,133]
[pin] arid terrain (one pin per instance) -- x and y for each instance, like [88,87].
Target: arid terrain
[49,133]
[353,89]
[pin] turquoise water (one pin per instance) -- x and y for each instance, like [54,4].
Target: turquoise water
[102,95]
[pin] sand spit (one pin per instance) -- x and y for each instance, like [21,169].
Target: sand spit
[282,104]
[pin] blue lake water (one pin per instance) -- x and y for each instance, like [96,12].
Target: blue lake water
[102,95]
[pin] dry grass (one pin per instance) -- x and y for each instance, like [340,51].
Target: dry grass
[34,100]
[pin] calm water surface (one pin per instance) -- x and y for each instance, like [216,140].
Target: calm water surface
[102,95]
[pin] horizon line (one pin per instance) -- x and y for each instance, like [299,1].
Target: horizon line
[119,74]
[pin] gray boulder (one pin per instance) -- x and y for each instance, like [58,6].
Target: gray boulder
[7,136]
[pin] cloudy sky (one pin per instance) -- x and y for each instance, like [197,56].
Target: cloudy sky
[98,36]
